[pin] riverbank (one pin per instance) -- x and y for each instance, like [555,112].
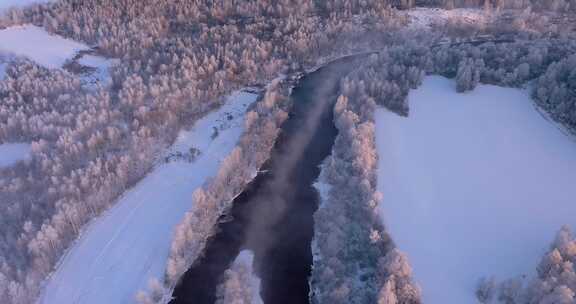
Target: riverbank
[273,216]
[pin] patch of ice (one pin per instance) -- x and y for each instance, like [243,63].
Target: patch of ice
[474,185]
[11,153]
[128,245]
[35,43]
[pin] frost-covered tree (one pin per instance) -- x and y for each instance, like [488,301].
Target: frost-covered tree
[178,58]
[486,290]
[240,284]
[467,77]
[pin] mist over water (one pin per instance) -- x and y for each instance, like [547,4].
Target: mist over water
[273,217]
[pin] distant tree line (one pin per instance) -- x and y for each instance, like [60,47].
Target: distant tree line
[554,5]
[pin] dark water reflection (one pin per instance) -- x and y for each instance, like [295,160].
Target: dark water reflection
[274,216]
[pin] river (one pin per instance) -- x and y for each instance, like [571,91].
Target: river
[273,217]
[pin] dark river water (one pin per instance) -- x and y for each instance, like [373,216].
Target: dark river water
[273,217]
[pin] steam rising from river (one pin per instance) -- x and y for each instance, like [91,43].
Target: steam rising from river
[273,216]
[279,190]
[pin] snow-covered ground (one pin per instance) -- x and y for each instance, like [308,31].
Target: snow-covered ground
[322,186]
[8,4]
[38,45]
[474,185]
[119,252]
[424,18]
[53,52]
[11,153]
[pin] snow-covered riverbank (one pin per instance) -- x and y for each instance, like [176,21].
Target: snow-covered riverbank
[119,252]
[56,53]
[474,185]
[241,285]
[25,41]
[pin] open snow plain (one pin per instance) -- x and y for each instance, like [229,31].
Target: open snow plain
[36,44]
[474,184]
[52,52]
[119,252]
[11,153]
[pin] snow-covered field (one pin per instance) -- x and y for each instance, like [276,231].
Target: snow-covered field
[119,252]
[11,153]
[474,185]
[423,18]
[51,51]
[38,45]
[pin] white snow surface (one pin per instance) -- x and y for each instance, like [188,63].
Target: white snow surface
[119,252]
[474,185]
[94,61]
[36,44]
[11,153]
[424,18]
[102,66]
[8,4]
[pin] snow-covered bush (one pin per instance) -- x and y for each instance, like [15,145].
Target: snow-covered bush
[240,285]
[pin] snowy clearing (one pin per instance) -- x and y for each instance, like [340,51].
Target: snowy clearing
[56,52]
[8,4]
[119,252]
[102,67]
[11,153]
[25,41]
[474,185]
[424,18]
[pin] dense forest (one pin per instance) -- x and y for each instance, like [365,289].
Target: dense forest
[554,5]
[179,58]
[351,248]
[177,61]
